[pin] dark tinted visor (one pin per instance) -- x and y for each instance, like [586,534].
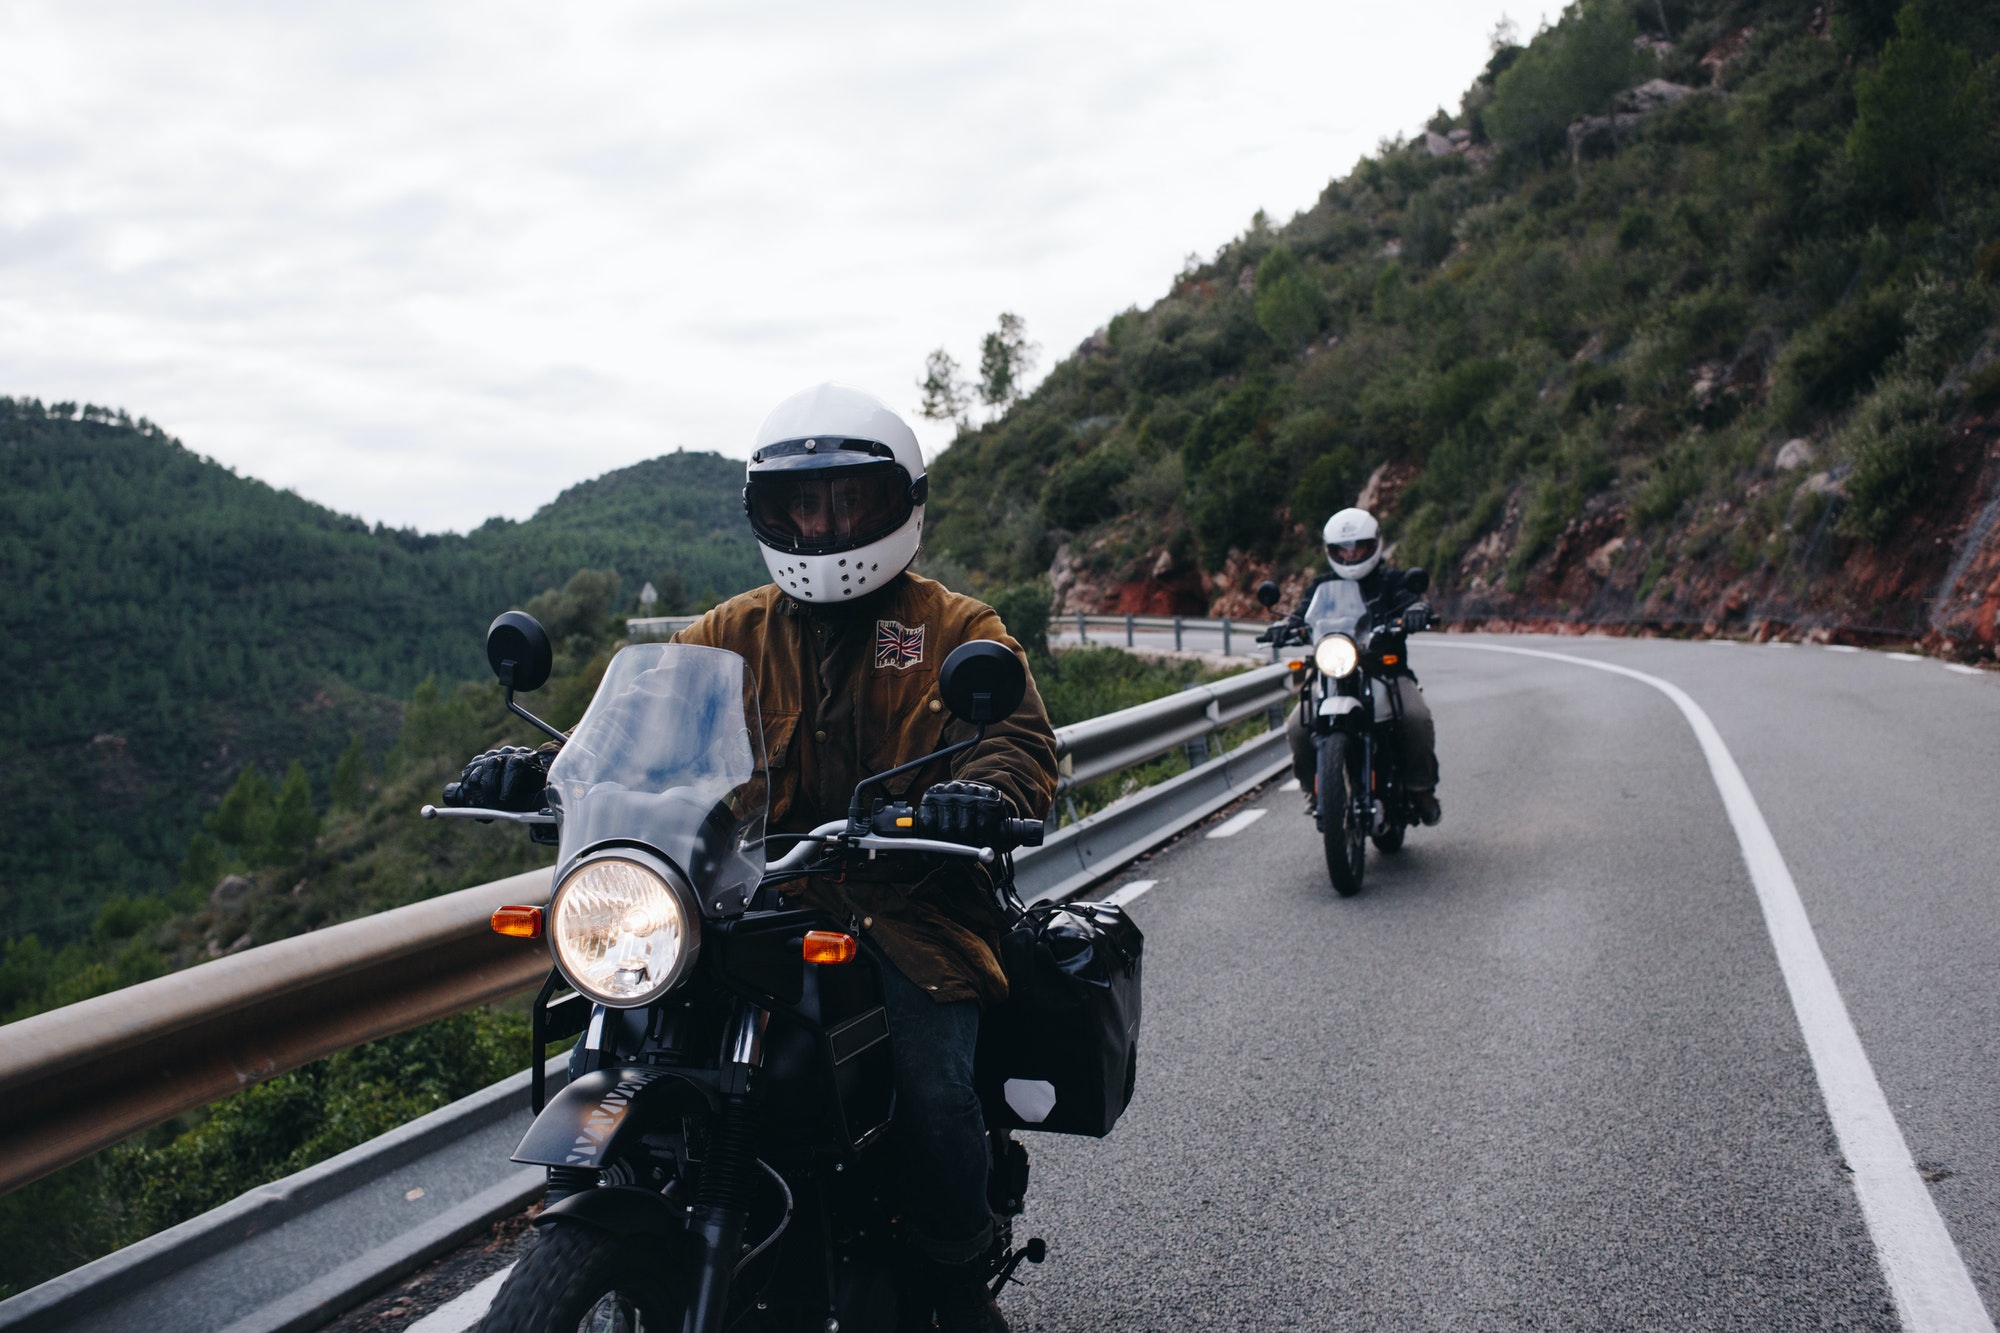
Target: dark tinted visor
[813,505]
[1353,553]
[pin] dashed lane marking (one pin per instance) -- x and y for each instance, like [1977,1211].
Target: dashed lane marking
[1905,657]
[1236,823]
[1840,648]
[1925,1272]
[464,1310]
[1125,893]
[1963,669]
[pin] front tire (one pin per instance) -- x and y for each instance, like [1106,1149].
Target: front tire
[1345,836]
[580,1277]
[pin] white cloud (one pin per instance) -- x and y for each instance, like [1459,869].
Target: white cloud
[428,262]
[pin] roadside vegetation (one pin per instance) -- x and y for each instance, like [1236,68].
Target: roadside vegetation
[1583,314]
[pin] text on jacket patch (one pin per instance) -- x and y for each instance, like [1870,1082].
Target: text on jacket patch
[898,645]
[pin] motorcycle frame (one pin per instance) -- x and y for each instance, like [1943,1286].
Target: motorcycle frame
[616,1110]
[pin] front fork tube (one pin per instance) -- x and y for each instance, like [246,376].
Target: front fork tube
[721,1206]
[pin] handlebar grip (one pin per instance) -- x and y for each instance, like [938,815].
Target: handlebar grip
[1026,832]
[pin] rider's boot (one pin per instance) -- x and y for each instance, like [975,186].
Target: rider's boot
[1428,810]
[962,1301]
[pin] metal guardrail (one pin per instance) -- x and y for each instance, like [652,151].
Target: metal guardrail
[1128,625]
[78,1079]
[81,1078]
[642,628]
[659,627]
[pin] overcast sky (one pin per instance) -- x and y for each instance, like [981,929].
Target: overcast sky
[428,262]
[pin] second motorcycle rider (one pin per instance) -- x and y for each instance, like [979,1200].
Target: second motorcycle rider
[1354,551]
[845,643]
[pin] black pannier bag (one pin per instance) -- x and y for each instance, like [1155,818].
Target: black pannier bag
[1061,1054]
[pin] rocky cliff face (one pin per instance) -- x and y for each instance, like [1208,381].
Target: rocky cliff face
[1936,584]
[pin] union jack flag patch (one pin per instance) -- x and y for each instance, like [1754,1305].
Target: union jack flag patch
[898,645]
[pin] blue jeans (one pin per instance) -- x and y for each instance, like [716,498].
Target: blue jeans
[941,1135]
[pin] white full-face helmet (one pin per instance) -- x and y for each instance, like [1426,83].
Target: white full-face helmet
[1353,543]
[835,493]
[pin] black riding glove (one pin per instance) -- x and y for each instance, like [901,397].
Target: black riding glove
[510,778]
[1416,618]
[967,812]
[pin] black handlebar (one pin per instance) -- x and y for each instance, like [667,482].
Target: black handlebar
[1025,832]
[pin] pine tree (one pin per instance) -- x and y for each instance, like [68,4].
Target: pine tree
[350,776]
[294,824]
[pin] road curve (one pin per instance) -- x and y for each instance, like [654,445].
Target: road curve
[1545,1071]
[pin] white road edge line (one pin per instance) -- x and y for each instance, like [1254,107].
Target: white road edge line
[1127,892]
[1963,669]
[464,1310]
[1925,1272]
[1291,784]
[1236,823]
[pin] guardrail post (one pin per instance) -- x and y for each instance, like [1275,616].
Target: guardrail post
[1177,633]
[1197,751]
[1128,629]
[1082,630]
[1225,636]
[1274,717]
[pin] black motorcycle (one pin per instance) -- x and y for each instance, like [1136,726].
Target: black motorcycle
[1354,712]
[721,1157]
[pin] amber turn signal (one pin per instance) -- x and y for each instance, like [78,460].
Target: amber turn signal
[1390,659]
[521,922]
[1296,664]
[830,946]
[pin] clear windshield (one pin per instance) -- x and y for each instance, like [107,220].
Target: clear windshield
[1337,607]
[670,753]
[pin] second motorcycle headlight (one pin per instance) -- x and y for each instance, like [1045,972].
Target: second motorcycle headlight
[1335,656]
[620,932]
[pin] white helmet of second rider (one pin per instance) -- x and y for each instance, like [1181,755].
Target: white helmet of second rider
[835,493]
[1353,543]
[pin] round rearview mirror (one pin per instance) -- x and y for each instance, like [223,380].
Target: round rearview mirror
[982,681]
[1267,593]
[1417,581]
[517,647]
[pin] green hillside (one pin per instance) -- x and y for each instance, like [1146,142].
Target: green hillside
[169,622]
[1569,332]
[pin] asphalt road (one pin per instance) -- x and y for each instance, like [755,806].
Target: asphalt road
[1544,1072]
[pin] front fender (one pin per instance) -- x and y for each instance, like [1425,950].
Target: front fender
[583,1124]
[622,1210]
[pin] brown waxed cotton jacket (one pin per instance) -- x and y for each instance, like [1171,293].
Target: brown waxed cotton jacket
[851,690]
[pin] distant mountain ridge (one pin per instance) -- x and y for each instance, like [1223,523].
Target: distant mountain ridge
[168,621]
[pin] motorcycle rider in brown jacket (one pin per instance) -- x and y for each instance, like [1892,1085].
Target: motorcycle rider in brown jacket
[845,643]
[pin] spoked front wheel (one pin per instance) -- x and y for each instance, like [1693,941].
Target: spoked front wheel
[579,1277]
[1343,830]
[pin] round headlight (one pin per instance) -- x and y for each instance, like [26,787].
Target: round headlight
[620,933]
[1335,656]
